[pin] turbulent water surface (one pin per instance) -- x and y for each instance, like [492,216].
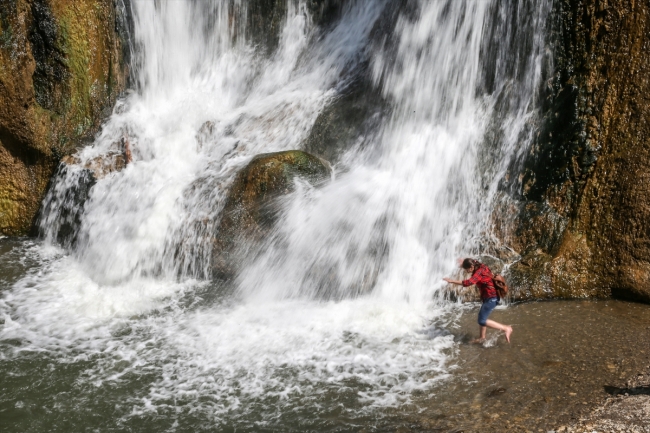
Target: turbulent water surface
[337,316]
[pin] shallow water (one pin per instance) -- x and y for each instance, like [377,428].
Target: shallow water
[144,372]
[562,356]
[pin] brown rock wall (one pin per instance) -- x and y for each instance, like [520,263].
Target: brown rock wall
[61,69]
[603,75]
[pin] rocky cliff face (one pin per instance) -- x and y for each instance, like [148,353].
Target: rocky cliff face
[582,219]
[62,65]
[577,208]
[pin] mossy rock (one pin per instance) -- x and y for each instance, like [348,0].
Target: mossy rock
[251,207]
[62,68]
[529,278]
[588,164]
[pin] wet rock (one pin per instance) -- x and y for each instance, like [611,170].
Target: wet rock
[588,167]
[355,114]
[529,277]
[265,18]
[250,208]
[62,66]
[462,294]
[66,211]
[66,220]
[100,166]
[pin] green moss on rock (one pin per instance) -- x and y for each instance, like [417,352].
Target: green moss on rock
[63,67]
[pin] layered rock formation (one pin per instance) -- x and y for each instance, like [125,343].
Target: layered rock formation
[583,218]
[62,65]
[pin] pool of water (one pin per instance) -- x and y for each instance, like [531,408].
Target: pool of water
[182,366]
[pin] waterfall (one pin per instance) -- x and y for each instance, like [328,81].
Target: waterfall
[343,297]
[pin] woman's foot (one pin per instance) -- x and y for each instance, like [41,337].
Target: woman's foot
[478,341]
[508,333]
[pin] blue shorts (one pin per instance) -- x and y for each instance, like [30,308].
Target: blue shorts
[486,309]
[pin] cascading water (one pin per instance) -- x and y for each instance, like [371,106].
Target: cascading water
[338,310]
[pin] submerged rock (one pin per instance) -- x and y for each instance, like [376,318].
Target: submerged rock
[250,209]
[625,409]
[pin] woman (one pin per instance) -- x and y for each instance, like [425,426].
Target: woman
[482,278]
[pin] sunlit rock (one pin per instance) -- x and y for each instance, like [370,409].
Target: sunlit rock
[100,166]
[582,200]
[251,208]
[62,66]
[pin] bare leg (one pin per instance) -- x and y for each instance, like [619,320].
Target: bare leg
[496,325]
[481,338]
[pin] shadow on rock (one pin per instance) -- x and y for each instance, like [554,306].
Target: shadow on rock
[637,390]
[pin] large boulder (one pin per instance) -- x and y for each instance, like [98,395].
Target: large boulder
[250,208]
[62,65]
[355,114]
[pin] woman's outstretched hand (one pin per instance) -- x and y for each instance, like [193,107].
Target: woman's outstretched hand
[449,280]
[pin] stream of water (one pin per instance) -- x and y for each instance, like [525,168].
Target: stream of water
[338,314]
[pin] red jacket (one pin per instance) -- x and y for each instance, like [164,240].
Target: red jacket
[482,277]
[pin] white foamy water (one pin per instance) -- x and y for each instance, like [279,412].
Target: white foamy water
[341,300]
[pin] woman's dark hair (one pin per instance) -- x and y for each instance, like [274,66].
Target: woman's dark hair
[470,263]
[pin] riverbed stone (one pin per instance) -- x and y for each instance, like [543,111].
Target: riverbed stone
[251,206]
[61,69]
[626,409]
